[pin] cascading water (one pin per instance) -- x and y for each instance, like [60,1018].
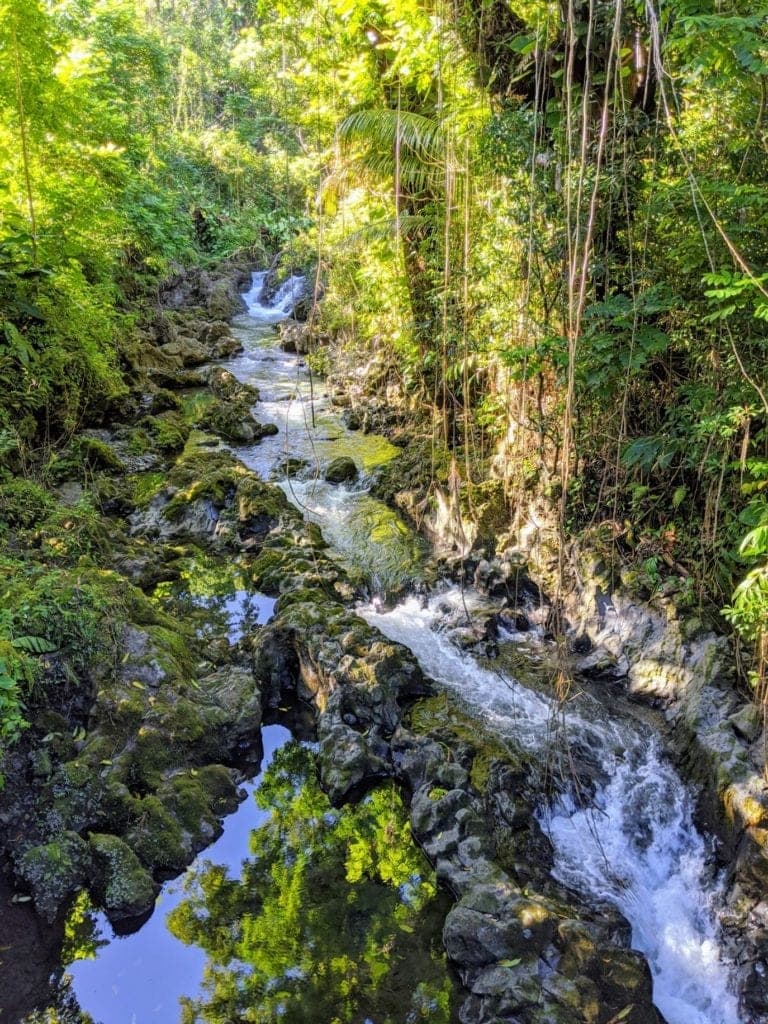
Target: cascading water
[635,846]
[363,531]
[281,304]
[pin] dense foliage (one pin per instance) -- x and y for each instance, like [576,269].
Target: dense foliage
[128,141]
[547,221]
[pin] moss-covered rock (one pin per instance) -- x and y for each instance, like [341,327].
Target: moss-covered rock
[234,421]
[341,470]
[55,871]
[201,473]
[185,352]
[228,388]
[166,431]
[121,884]
[197,798]
[156,836]
[261,506]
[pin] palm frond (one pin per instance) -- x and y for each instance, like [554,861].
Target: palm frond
[388,227]
[397,142]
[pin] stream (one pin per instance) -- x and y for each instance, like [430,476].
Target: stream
[632,844]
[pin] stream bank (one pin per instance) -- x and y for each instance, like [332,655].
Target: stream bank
[127,770]
[527,947]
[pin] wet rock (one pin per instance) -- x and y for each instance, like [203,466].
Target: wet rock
[289,467]
[260,508]
[228,388]
[295,337]
[341,470]
[348,764]
[234,421]
[492,923]
[157,837]
[186,352]
[752,860]
[123,886]
[222,294]
[231,705]
[601,663]
[211,498]
[747,722]
[511,620]
[55,871]
[175,379]
[217,335]
[161,400]
[352,420]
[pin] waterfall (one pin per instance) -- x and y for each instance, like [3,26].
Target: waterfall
[282,302]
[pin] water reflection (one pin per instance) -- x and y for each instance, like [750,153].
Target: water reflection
[214,593]
[332,918]
[139,978]
[335,917]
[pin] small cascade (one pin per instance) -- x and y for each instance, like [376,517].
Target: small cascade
[635,846]
[368,536]
[281,304]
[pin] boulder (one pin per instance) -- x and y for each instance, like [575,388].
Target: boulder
[122,885]
[341,470]
[55,871]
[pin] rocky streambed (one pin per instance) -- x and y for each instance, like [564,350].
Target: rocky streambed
[410,715]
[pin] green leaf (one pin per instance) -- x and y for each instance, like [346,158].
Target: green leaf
[33,645]
[679,496]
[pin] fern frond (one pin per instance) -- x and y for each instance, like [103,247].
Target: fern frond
[33,645]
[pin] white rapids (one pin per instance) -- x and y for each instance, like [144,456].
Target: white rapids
[636,845]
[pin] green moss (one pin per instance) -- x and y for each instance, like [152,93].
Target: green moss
[203,474]
[122,884]
[269,569]
[232,420]
[55,871]
[197,797]
[173,650]
[146,486]
[258,499]
[443,718]
[164,400]
[302,608]
[156,836]
[153,753]
[183,721]
[416,468]
[24,503]
[167,431]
